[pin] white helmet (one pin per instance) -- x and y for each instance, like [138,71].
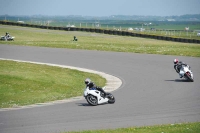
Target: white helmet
[87,81]
[175,61]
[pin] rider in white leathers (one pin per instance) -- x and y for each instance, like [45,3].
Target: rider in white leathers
[91,85]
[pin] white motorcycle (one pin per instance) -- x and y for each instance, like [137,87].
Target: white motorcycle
[95,97]
[4,38]
[186,73]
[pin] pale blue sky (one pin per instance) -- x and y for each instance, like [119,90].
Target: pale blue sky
[99,7]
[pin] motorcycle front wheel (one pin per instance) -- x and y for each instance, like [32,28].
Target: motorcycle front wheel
[111,98]
[189,77]
[92,100]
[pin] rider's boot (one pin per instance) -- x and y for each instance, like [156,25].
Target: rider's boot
[180,75]
[103,94]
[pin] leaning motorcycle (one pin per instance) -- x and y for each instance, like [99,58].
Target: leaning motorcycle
[4,38]
[95,97]
[186,73]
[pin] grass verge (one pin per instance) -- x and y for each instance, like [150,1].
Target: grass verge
[172,128]
[94,41]
[26,83]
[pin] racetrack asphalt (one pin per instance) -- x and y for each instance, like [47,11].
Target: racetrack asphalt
[151,92]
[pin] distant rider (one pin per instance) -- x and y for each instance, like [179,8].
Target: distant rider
[91,86]
[178,65]
[7,35]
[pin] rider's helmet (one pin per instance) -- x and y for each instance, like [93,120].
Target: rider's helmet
[175,61]
[87,81]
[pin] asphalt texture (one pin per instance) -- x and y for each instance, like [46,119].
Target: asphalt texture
[151,92]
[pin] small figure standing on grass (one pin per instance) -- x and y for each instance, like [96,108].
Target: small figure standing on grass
[75,39]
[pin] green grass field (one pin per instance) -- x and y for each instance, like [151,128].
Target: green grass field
[25,83]
[95,41]
[170,128]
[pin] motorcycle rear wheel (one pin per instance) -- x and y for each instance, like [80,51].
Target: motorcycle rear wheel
[92,100]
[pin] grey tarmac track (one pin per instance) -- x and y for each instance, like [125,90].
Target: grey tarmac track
[151,92]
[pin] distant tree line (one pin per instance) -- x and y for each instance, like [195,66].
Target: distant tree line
[187,17]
